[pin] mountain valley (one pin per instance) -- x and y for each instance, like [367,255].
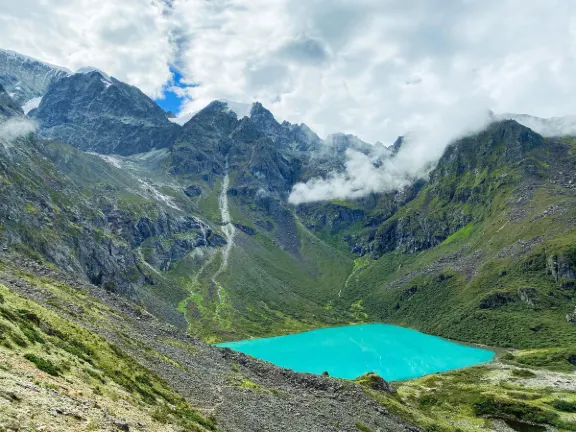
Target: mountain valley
[129,239]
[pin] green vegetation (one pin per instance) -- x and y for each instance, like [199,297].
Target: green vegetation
[466,400]
[43,364]
[362,427]
[523,373]
[65,350]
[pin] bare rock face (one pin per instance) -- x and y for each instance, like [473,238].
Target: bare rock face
[8,108]
[97,113]
[529,296]
[25,78]
[561,266]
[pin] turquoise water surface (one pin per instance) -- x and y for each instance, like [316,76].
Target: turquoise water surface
[394,353]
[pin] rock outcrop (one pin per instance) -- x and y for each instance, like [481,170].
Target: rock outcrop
[100,114]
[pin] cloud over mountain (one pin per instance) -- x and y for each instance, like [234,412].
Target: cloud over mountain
[369,67]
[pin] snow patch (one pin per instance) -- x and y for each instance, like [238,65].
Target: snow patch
[31,104]
[182,119]
[89,69]
[22,57]
[115,161]
[158,195]
[241,109]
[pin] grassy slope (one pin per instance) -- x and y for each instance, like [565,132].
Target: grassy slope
[75,364]
[471,399]
[440,290]
[265,290]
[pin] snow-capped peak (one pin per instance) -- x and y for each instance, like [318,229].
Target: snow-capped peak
[22,57]
[241,109]
[88,69]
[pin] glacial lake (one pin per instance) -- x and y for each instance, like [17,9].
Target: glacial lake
[395,353]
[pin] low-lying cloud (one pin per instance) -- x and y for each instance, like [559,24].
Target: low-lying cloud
[422,147]
[15,128]
[547,127]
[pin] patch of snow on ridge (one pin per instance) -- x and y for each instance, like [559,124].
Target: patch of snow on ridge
[241,109]
[115,161]
[23,57]
[182,119]
[89,69]
[31,104]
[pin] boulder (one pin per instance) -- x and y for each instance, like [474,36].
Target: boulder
[496,300]
[375,382]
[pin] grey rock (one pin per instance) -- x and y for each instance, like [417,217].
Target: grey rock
[26,78]
[93,112]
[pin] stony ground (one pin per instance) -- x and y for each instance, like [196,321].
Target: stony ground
[240,393]
[33,400]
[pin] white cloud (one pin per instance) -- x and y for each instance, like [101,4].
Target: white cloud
[384,171]
[15,128]
[129,39]
[374,68]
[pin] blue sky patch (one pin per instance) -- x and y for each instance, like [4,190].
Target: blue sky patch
[171,101]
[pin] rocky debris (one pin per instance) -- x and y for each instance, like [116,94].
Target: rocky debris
[520,247]
[286,400]
[548,212]
[571,318]
[459,262]
[497,300]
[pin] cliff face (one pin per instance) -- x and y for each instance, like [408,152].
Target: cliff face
[25,78]
[97,113]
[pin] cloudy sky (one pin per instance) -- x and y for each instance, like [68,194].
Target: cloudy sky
[375,68]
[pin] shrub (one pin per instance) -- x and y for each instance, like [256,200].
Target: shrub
[565,406]
[43,364]
[523,373]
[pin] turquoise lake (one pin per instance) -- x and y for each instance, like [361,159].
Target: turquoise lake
[394,353]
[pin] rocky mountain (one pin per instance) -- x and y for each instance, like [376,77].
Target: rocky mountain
[94,112]
[8,107]
[25,78]
[191,226]
[548,127]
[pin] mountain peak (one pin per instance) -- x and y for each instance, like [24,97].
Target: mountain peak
[91,69]
[81,110]
[264,119]
[548,127]
[25,78]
